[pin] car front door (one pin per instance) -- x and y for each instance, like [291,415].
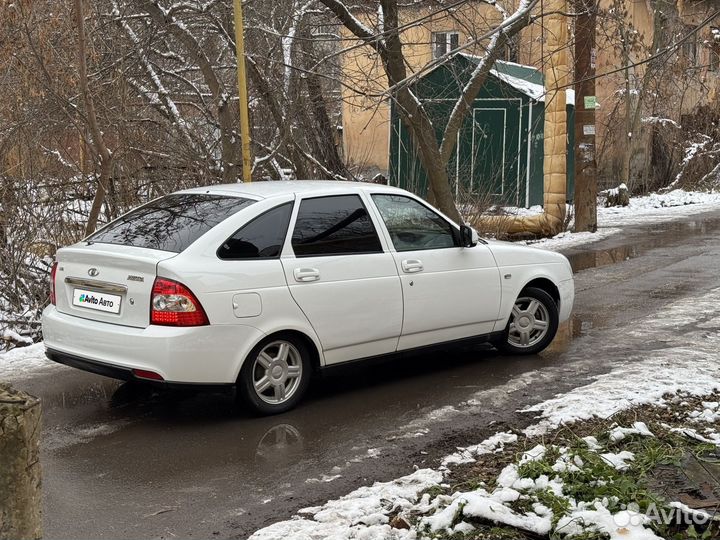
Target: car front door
[343,278]
[450,292]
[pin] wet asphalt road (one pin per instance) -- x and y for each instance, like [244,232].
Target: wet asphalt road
[121,461]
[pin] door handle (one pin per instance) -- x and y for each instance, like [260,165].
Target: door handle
[410,266]
[306,274]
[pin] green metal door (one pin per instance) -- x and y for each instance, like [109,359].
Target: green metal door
[488,151]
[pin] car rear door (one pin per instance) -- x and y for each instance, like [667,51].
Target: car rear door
[450,292]
[343,278]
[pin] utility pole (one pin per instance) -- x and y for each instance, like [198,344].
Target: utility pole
[242,92]
[585,104]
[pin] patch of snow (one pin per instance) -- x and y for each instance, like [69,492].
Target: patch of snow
[653,208]
[535,91]
[693,434]
[639,428]
[566,240]
[13,336]
[468,454]
[70,436]
[624,525]
[491,506]
[614,192]
[661,121]
[592,443]
[685,509]
[619,460]
[534,454]
[324,478]
[360,514]
[484,507]
[24,362]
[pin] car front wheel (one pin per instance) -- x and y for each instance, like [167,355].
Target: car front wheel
[533,323]
[275,375]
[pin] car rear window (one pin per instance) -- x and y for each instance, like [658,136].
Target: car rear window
[170,223]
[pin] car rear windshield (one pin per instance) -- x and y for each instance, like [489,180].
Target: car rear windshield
[170,223]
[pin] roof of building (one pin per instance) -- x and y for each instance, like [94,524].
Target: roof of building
[526,79]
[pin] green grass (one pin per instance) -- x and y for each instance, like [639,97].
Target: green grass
[596,479]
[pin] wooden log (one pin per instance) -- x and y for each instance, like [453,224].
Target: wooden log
[20,478]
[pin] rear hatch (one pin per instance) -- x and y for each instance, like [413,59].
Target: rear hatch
[109,277]
[106,282]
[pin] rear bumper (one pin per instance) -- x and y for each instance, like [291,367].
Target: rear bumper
[118,372]
[93,366]
[205,355]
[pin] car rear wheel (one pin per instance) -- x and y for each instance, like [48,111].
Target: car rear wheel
[275,375]
[532,325]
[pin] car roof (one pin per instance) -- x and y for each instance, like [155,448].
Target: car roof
[275,188]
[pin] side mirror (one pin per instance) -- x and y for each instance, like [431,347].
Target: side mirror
[468,236]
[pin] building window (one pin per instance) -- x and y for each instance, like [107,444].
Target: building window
[688,48]
[444,42]
[714,64]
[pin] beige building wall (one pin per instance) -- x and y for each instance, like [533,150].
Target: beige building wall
[366,107]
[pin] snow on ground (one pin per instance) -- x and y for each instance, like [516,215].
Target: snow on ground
[659,207]
[648,376]
[24,362]
[567,239]
[653,208]
[361,514]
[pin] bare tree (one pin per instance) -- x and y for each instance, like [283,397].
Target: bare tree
[388,45]
[98,140]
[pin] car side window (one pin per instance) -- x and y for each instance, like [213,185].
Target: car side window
[261,238]
[334,225]
[412,225]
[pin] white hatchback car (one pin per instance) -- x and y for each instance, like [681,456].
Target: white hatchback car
[258,285]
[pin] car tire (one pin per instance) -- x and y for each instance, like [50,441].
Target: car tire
[275,375]
[532,325]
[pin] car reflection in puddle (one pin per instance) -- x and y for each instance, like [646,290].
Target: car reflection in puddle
[280,443]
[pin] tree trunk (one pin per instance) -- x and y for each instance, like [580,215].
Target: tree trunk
[585,147]
[325,133]
[98,141]
[20,475]
[226,113]
[281,121]
[627,155]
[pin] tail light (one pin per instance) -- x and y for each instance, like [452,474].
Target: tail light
[145,374]
[173,304]
[53,295]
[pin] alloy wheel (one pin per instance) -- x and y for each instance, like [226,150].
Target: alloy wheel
[277,372]
[529,322]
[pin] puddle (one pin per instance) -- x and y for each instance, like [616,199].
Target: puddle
[280,443]
[579,324]
[596,259]
[664,234]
